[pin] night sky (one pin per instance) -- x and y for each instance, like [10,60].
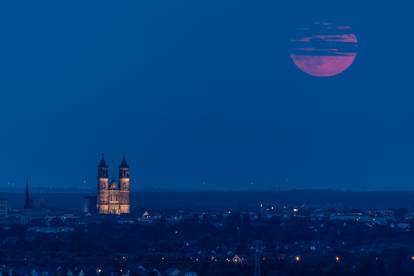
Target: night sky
[203,95]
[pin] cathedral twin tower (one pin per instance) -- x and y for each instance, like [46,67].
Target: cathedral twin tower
[113,196]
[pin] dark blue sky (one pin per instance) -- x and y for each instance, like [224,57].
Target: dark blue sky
[203,91]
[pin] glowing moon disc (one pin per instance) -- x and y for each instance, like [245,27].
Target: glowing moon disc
[324,49]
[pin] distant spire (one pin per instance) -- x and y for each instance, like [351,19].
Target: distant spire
[27,200]
[124,163]
[103,164]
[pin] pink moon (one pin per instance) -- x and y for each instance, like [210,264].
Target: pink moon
[323,66]
[324,49]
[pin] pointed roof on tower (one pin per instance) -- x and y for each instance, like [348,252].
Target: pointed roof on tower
[103,164]
[124,163]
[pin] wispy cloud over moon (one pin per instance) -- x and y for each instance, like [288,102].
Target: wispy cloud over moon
[324,49]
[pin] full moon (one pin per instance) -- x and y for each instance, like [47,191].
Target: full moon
[324,49]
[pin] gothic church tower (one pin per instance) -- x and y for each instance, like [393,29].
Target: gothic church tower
[124,187]
[103,187]
[113,197]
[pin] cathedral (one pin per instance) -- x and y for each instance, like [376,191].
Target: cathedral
[113,195]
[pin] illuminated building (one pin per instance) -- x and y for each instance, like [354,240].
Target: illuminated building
[113,196]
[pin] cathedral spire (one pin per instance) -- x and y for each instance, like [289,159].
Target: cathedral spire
[103,164]
[124,163]
[124,168]
[103,168]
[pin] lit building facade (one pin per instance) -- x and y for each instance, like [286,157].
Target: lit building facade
[113,195]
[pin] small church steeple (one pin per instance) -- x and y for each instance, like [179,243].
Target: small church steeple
[28,203]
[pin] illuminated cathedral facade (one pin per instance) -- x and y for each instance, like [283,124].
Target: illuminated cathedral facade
[113,195]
